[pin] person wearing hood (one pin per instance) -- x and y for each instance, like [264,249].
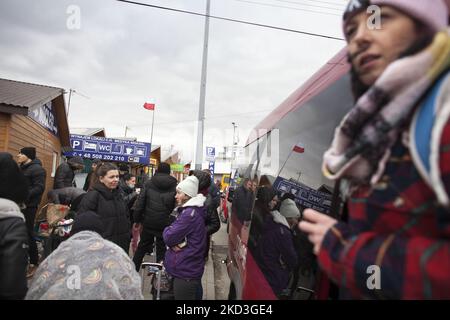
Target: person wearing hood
[152,211]
[266,201]
[86,267]
[64,196]
[275,253]
[129,193]
[13,230]
[36,175]
[391,154]
[186,241]
[65,173]
[106,200]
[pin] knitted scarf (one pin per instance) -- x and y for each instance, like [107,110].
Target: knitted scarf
[362,142]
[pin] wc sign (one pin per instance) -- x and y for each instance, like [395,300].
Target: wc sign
[91,147]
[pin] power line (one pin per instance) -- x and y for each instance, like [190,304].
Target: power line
[206,118]
[341,9]
[293,8]
[285,7]
[231,20]
[317,1]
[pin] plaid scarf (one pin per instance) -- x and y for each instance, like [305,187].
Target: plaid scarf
[362,142]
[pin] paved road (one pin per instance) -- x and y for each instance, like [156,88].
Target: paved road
[219,253]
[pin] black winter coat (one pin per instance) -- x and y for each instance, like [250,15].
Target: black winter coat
[87,182]
[242,204]
[214,192]
[13,258]
[35,174]
[111,208]
[212,216]
[64,176]
[156,202]
[129,195]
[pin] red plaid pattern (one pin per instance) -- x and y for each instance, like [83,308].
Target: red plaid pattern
[399,227]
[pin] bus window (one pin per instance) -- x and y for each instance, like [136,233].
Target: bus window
[269,258]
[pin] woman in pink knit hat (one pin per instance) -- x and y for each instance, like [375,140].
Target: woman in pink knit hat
[391,153]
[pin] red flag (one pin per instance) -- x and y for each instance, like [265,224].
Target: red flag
[149,106]
[299,148]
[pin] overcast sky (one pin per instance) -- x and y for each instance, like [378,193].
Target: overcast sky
[124,55]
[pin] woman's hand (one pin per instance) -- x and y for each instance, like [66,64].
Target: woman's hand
[316,225]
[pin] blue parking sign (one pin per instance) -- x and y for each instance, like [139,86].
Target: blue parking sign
[210,152]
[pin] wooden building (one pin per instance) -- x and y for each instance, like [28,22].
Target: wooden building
[34,115]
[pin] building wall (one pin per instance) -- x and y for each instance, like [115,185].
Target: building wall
[17,131]
[4,121]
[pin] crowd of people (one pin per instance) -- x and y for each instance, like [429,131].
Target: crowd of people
[390,155]
[175,218]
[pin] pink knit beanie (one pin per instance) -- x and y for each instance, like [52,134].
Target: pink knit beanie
[432,13]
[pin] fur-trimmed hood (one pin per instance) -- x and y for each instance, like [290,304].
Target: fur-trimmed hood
[197,201]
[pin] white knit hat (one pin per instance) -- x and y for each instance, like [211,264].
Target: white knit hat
[189,186]
[432,13]
[289,209]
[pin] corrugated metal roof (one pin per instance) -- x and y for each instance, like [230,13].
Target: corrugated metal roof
[26,95]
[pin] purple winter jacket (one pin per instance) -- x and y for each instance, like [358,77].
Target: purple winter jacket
[189,262]
[275,254]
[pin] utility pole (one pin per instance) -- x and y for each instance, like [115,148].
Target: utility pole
[70,97]
[234,140]
[201,111]
[126,130]
[68,104]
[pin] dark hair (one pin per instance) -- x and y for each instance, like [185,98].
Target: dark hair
[425,37]
[13,183]
[128,176]
[164,168]
[76,162]
[263,197]
[88,221]
[103,169]
[123,167]
[204,180]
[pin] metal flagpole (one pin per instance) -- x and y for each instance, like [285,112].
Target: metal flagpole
[151,139]
[151,136]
